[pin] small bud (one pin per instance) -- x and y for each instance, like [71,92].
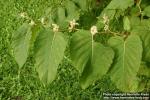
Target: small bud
[42,20]
[106,22]
[94,30]
[106,28]
[32,23]
[105,19]
[126,23]
[55,27]
[72,25]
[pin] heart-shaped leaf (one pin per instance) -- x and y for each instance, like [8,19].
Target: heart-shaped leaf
[142,28]
[90,58]
[21,43]
[127,61]
[49,51]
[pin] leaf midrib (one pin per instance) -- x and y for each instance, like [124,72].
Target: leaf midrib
[124,51]
[52,46]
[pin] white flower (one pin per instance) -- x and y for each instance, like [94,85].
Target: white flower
[42,20]
[55,27]
[105,19]
[106,28]
[94,30]
[106,22]
[72,25]
[32,23]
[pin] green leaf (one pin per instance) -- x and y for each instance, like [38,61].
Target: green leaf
[126,65]
[112,9]
[126,22]
[21,43]
[147,11]
[134,11]
[144,70]
[90,58]
[83,4]
[67,13]
[142,85]
[142,29]
[49,51]
[134,19]
[120,4]
[80,49]
[49,16]
[61,20]
[72,10]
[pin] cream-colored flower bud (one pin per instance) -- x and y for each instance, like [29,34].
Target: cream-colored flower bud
[43,20]
[94,30]
[32,23]
[72,25]
[106,28]
[55,27]
[105,19]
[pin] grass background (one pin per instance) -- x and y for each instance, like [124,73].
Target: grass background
[28,86]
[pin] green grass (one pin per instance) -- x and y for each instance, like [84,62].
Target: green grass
[27,85]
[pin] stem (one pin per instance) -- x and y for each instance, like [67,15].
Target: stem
[67,59]
[114,33]
[18,77]
[138,4]
[102,32]
[92,45]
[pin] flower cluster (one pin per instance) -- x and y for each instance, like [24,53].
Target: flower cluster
[72,25]
[25,16]
[43,20]
[106,22]
[32,23]
[55,27]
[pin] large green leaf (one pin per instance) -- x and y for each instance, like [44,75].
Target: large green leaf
[49,51]
[147,11]
[142,28]
[112,8]
[127,62]
[90,58]
[21,43]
